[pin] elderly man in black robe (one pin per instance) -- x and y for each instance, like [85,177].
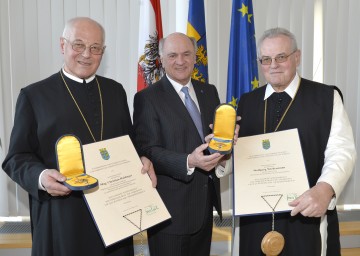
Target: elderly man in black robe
[72,101]
[289,101]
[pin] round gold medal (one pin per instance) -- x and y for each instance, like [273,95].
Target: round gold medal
[272,243]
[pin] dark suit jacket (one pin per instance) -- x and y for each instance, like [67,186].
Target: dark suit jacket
[167,135]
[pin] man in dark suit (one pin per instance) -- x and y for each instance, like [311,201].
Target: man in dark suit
[169,136]
[72,101]
[289,101]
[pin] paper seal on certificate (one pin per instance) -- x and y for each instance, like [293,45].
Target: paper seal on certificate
[269,171]
[124,203]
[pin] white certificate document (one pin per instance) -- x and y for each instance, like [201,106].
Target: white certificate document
[269,172]
[125,202]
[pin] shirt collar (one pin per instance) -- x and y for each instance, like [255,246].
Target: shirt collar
[177,86]
[290,90]
[77,79]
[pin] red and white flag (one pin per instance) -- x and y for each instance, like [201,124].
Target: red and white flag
[150,32]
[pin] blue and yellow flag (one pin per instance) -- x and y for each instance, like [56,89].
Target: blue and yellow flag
[242,66]
[196,28]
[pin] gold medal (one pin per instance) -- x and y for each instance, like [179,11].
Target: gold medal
[272,244]
[82,180]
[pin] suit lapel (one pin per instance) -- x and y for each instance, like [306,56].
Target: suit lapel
[172,98]
[173,101]
[202,100]
[170,95]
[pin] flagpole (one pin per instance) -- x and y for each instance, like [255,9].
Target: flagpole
[242,75]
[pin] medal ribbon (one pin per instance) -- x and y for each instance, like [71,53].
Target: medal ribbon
[272,208]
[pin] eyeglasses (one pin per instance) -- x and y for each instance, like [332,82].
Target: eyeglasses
[78,46]
[278,59]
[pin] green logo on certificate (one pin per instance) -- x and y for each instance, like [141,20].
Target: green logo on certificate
[151,209]
[266,144]
[291,197]
[104,153]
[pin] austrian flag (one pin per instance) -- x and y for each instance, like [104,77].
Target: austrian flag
[150,32]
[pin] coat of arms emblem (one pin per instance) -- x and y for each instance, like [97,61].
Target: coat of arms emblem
[104,153]
[266,144]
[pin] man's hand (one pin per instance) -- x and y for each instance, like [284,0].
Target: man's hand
[50,179]
[314,202]
[149,169]
[205,162]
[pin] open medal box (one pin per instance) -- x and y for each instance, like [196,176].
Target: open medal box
[223,129]
[70,163]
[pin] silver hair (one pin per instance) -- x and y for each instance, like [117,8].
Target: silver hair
[70,24]
[275,32]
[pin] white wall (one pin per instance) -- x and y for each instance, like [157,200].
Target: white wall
[29,51]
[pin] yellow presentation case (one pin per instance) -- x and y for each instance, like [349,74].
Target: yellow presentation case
[70,163]
[223,129]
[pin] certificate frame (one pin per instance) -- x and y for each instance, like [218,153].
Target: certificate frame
[269,172]
[124,203]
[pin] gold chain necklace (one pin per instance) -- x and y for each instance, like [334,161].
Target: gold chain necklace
[81,113]
[283,115]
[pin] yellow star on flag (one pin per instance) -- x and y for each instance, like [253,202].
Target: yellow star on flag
[255,83]
[243,10]
[233,102]
[249,17]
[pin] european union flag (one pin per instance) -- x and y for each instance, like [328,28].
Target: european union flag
[196,28]
[242,66]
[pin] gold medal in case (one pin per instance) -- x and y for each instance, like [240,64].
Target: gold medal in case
[70,163]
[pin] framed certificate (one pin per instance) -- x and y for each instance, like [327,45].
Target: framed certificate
[269,172]
[125,202]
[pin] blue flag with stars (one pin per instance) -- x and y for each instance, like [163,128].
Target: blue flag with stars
[196,28]
[242,65]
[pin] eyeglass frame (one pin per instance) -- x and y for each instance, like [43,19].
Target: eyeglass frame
[277,58]
[90,47]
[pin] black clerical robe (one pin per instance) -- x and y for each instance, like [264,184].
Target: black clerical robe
[62,226]
[311,113]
